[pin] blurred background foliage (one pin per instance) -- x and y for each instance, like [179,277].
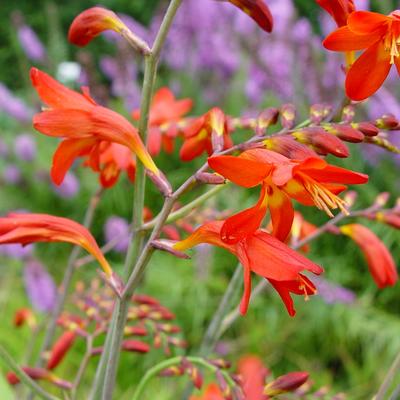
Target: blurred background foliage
[346,347]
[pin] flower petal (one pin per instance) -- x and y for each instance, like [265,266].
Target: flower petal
[343,39]
[368,73]
[367,22]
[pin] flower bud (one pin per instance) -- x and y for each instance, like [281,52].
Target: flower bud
[288,116]
[366,128]
[388,122]
[24,315]
[345,132]
[289,147]
[286,383]
[318,112]
[265,119]
[60,349]
[135,346]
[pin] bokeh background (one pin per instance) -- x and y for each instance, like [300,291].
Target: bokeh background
[348,336]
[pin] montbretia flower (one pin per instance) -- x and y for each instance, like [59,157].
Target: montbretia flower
[30,228]
[286,383]
[379,36]
[380,261]
[60,349]
[311,181]
[165,114]
[257,10]
[252,373]
[84,126]
[91,22]
[208,133]
[212,392]
[263,254]
[338,9]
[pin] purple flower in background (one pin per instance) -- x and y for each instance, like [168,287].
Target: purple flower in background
[31,44]
[333,294]
[3,148]
[117,227]
[69,187]
[25,147]
[13,106]
[12,174]
[39,286]
[16,251]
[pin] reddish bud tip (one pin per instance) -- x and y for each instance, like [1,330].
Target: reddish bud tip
[60,349]
[286,383]
[135,346]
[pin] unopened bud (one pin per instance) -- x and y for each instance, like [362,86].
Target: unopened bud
[266,118]
[348,113]
[366,128]
[60,349]
[289,147]
[210,179]
[135,331]
[135,346]
[288,116]
[345,132]
[161,182]
[286,383]
[388,122]
[175,370]
[318,112]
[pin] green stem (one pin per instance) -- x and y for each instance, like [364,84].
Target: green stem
[23,377]
[388,379]
[154,371]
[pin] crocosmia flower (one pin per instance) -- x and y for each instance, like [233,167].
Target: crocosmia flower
[258,10]
[311,181]
[91,22]
[263,254]
[208,133]
[30,228]
[84,126]
[380,261]
[165,114]
[379,36]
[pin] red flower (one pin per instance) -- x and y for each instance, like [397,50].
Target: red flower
[258,10]
[212,392]
[253,374]
[83,124]
[261,253]
[208,133]
[60,349]
[91,22]
[338,9]
[380,261]
[311,182]
[286,383]
[30,228]
[165,114]
[379,35]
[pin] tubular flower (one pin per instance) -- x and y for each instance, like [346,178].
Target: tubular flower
[30,228]
[311,181]
[338,9]
[379,36]
[212,392]
[165,114]
[380,261]
[83,124]
[257,10]
[261,253]
[91,22]
[253,374]
[207,133]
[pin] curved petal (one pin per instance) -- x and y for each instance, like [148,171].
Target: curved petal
[368,73]
[65,155]
[192,148]
[368,22]
[333,174]
[242,255]
[343,39]
[282,212]
[243,172]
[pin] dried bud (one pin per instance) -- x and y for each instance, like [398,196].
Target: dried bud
[289,147]
[24,315]
[266,118]
[322,142]
[388,122]
[345,132]
[318,112]
[288,116]
[166,245]
[161,182]
[286,383]
[366,128]
[210,179]
[135,346]
[60,349]
[348,113]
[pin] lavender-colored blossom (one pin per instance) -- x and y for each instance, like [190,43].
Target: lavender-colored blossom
[3,148]
[39,286]
[333,294]
[31,44]
[69,188]
[16,251]
[25,147]
[117,227]
[13,106]
[12,174]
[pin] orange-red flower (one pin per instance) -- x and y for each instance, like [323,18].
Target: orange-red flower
[253,374]
[91,22]
[83,124]
[311,182]
[60,349]
[258,10]
[379,36]
[208,133]
[165,114]
[212,392]
[263,254]
[30,228]
[380,261]
[338,9]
